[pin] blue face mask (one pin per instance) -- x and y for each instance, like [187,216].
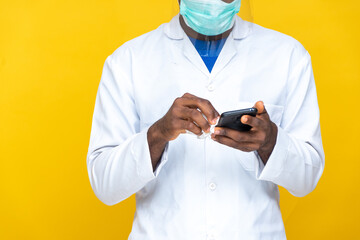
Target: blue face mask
[209,17]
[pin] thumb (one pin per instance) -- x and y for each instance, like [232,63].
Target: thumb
[259,105]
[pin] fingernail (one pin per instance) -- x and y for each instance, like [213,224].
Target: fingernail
[217,132]
[245,119]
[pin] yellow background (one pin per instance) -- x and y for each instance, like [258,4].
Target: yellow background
[51,58]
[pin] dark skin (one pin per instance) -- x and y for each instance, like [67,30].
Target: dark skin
[261,137]
[186,114]
[182,116]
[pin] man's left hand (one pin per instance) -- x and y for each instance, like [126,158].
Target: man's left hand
[261,137]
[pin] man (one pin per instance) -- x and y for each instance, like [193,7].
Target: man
[163,85]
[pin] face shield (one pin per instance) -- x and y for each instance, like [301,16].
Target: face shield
[208,23]
[211,19]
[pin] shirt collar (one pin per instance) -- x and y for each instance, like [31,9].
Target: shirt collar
[174,30]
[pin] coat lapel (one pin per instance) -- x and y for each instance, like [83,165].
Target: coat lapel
[193,56]
[228,52]
[241,30]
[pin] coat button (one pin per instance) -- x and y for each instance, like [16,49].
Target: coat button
[211,237]
[211,87]
[212,186]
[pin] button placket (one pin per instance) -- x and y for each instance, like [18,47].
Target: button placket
[211,195]
[211,86]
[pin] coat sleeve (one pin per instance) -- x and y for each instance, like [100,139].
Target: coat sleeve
[118,158]
[297,161]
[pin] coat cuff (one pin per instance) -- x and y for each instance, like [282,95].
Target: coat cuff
[141,152]
[277,159]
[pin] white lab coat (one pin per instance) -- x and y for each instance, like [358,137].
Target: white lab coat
[202,189]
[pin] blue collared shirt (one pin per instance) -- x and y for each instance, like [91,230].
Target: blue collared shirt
[208,50]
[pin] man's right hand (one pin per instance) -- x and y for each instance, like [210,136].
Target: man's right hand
[186,113]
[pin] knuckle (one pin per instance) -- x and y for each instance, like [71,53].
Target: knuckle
[189,125]
[220,139]
[238,137]
[196,129]
[186,95]
[199,101]
[177,101]
[205,101]
[194,113]
[174,110]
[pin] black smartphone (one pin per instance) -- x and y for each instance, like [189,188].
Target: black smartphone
[232,120]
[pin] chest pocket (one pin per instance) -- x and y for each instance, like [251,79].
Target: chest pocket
[275,112]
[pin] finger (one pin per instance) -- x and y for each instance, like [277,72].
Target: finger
[234,134]
[195,116]
[225,140]
[190,126]
[259,105]
[252,121]
[244,146]
[204,105]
